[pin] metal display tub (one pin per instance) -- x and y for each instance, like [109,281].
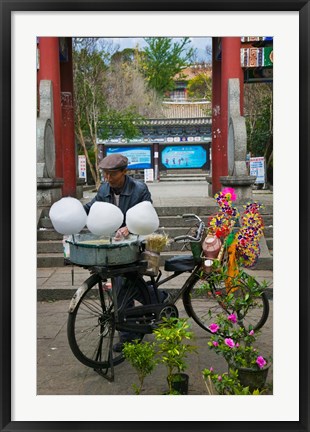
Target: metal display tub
[88,249]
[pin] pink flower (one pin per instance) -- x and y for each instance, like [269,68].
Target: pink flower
[213,327]
[260,361]
[215,343]
[231,192]
[251,333]
[237,345]
[229,342]
[211,369]
[232,318]
[219,378]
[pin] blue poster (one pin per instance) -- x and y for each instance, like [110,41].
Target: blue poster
[138,157]
[184,157]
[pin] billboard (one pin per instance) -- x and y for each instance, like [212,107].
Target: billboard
[82,166]
[184,156]
[257,169]
[139,157]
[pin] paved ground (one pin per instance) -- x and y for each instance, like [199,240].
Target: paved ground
[59,373]
[187,193]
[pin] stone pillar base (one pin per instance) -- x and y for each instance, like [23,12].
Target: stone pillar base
[242,185]
[210,191]
[48,191]
[80,182]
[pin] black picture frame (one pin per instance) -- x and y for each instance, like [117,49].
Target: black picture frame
[7,7]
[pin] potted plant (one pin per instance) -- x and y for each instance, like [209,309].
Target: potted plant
[235,344]
[226,383]
[141,356]
[238,292]
[171,336]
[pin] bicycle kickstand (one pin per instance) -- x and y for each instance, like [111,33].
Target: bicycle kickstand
[104,372]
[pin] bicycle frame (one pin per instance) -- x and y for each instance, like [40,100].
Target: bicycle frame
[139,318]
[145,317]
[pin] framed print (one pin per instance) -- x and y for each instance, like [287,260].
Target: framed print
[22,407]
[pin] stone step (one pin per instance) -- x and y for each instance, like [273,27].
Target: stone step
[203,210]
[48,234]
[49,246]
[207,210]
[50,260]
[167,221]
[269,242]
[57,260]
[185,179]
[56,246]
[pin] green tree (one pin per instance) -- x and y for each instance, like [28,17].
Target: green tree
[94,118]
[126,87]
[141,356]
[200,87]
[163,59]
[258,108]
[127,55]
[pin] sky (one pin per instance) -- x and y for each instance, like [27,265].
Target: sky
[197,42]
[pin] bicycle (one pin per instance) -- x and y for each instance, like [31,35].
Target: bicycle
[95,315]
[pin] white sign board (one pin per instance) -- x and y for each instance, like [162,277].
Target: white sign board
[82,167]
[257,169]
[149,175]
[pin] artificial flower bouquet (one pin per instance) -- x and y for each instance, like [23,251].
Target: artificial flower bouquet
[239,234]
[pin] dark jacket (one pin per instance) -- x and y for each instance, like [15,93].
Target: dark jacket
[133,193]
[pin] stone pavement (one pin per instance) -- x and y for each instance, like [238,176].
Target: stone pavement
[58,371]
[186,193]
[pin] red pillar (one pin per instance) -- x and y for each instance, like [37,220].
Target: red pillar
[217,149]
[68,137]
[49,70]
[230,68]
[69,174]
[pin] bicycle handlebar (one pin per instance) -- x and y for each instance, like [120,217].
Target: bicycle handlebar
[199,233]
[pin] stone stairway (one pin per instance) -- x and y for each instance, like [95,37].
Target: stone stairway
[50,248]
[183,175]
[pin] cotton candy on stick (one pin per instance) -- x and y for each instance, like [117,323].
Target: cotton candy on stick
[142,219]
[104,218]
[68,216]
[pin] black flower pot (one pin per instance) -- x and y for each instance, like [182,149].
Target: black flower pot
[179,383]
[252,378]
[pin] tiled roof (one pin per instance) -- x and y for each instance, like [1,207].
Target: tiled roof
[187,109]
[178,121]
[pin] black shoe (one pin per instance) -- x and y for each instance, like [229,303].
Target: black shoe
[168,298]
[129,337]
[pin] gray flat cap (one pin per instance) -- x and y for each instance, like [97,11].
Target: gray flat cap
[114,162]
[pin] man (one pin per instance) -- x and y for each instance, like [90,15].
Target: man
[118,188]
[125,192]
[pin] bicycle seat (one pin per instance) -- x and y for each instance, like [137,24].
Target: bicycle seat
[180,263]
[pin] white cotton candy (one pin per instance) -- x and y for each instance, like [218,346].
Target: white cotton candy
[104,218]
[68,216]
[142,219]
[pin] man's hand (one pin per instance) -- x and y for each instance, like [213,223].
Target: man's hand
[121,233]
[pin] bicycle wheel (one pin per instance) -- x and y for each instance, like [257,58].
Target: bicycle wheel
[91,327]
[205,304]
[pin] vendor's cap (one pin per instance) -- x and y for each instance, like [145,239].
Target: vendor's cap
[114,162]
